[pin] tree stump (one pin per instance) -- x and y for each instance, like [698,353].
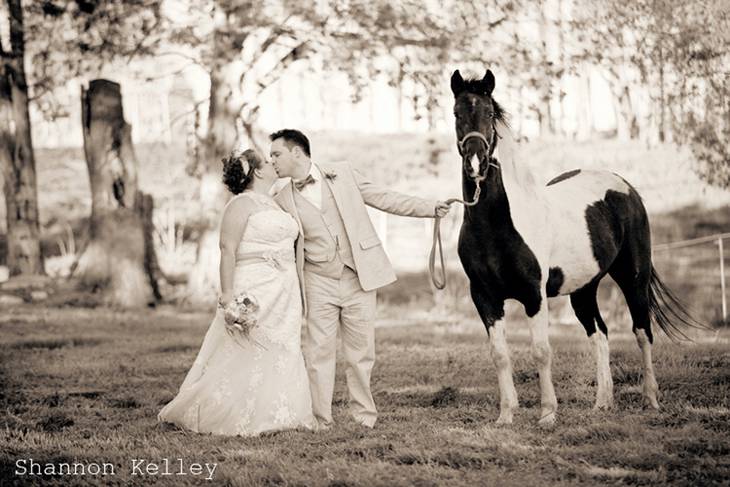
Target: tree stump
[119,260]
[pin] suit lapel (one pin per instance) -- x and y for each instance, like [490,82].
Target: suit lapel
[335,189]
[340,197]
[286,200]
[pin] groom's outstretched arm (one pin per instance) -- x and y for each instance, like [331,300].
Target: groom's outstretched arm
[394,202]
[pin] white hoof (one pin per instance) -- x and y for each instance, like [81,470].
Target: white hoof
[505,417]
[603,403]
[650,395]
[652,402]
[547,419]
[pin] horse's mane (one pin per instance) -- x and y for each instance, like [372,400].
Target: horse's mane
[500,114]
[506,144]
[507,154]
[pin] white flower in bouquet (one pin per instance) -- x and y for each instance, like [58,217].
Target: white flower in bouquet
[241,316]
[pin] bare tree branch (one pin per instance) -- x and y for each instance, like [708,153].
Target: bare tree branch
[280,66]
[138,47]
[193,60]
[195,108]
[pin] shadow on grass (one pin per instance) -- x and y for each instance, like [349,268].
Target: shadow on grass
[54,343]
[446,397]
[177,347]
[55,422]
[124,403]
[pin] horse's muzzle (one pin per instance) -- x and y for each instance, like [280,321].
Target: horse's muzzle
[474,149]
[474,164]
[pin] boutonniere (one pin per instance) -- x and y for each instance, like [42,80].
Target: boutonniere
[331,175]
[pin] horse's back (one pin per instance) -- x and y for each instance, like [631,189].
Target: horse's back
[585,186]
[592,214]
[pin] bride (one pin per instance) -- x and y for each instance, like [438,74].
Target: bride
[248,385]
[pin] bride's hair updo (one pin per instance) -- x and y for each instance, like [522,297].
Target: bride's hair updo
[238,169]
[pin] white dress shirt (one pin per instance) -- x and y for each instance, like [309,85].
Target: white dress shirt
[313,192]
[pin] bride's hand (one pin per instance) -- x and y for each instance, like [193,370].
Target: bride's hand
[224,300]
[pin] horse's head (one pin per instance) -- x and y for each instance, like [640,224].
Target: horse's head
[476,115]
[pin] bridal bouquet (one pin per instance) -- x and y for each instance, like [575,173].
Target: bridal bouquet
[240,315]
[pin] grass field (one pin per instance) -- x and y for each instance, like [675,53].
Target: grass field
[86,385]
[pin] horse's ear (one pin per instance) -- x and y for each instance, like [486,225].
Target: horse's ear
[488,82]
[457,83]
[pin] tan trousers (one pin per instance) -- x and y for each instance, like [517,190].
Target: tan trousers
[340,304]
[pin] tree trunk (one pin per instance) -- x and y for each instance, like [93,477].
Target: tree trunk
[662,98]
[585,128]
[545,82]
[144,207]
[119,260]
[228,110]
[225,103]
[560,121]
[16,156]
[626,123]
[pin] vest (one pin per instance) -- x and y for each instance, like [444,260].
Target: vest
[326,246]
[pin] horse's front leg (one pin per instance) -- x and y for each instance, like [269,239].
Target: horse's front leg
[537,312]
[491,311]
[500,355]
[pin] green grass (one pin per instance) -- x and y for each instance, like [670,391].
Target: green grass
[87,384]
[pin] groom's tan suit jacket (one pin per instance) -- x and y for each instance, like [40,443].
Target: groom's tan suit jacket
[347,191]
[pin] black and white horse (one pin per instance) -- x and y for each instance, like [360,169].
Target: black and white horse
[529,242]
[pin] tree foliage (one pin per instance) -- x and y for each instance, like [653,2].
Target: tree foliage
[681,54]
[71,38]
[245,47]
[675,53]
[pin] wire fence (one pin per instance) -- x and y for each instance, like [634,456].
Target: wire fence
[695,269]
[717,239]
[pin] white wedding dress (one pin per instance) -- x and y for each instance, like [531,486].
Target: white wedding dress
[246,387]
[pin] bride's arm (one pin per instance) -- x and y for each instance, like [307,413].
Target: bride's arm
[233,223]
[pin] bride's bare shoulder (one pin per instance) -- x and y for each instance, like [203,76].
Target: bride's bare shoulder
[240,205]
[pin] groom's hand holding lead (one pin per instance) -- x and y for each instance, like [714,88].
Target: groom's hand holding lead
[442,209]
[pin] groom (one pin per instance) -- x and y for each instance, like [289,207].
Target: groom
[341,263]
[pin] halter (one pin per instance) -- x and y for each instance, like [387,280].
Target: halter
[439,280]
[479,177]
[471,135]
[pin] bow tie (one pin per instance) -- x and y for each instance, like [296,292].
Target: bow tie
[303,182]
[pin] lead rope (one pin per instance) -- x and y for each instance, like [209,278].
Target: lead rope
[439,280]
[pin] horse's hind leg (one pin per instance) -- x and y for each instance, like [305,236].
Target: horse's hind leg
[493,318]
[651,388]
[635,287]
[585,306]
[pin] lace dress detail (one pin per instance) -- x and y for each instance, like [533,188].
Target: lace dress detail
[247,388]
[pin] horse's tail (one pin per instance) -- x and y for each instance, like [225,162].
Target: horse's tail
[668,312]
